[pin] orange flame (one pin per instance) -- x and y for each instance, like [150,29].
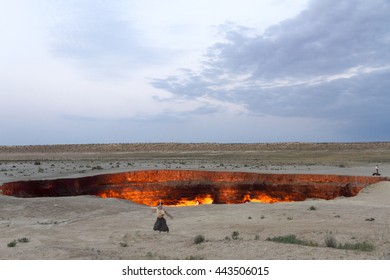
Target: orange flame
[200,199]
[263,198]
[144,197]
[151,198]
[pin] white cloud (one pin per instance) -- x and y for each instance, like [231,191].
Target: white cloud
[331,62]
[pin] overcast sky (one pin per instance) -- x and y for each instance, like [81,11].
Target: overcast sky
[99,71]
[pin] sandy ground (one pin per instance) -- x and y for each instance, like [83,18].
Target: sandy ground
[88,227]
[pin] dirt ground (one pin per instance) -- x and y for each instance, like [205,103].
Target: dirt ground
[88,227]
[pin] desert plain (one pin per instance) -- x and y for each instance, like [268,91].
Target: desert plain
[90,227]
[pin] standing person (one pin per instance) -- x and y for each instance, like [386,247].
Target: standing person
[376,170]
[161,223]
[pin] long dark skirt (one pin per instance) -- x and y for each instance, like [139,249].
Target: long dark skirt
[161,225]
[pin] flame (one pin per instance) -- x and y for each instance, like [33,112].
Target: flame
[144,197]
[263,198]
[151,198]
[200,199]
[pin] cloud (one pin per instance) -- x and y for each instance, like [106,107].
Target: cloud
[350,33]
[329,62]
[99,37]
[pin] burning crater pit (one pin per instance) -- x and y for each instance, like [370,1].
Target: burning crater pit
[190,187]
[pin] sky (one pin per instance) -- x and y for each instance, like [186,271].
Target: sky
[228,71]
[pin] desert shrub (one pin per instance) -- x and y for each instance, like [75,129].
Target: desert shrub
[257,237]
[235,235]
[123,244]
[312,208]
[361,246]
[291,239]
[195,258]
[23,240]
[12,244]
[37,163]
[97,167]
[199,239]
[330,241]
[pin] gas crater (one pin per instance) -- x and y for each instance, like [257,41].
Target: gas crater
[191,187]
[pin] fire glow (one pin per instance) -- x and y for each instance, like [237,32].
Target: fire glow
[193,187]
[146,200]
[198,200]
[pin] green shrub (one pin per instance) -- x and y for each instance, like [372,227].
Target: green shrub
[12,244]
[312,208]
[235,235]
[291,239]
[361,246]
[330,241]
[199,239]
